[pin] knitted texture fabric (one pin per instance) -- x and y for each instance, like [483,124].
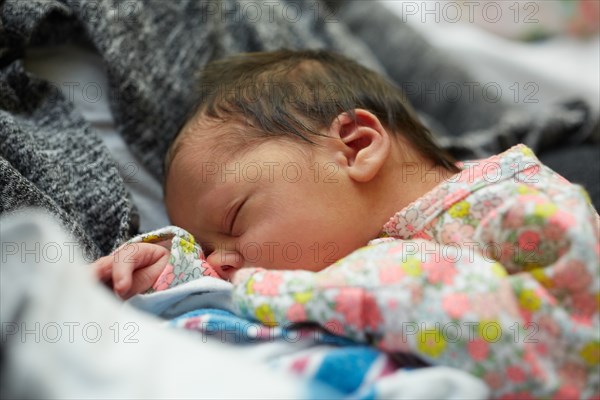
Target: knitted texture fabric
[152,50]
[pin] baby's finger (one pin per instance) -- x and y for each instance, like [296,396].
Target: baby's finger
[144,278]
[125,260]
[102,268]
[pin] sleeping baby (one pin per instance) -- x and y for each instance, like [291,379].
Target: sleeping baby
[306,180]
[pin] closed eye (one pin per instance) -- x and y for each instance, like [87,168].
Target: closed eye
[235,217]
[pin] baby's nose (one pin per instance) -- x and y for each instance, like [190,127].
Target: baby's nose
[225,262]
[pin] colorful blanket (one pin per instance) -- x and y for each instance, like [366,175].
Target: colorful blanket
[347,368]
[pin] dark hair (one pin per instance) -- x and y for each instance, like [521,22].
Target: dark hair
[295,94]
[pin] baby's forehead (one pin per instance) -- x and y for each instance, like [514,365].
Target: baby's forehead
[223,140]
[207,142]
[212,130]
[203,133]
[204,127]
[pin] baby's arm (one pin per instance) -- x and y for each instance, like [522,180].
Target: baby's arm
[553,234]
[396,295]
[154,261]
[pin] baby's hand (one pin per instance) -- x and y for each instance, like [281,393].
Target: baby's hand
[132,268]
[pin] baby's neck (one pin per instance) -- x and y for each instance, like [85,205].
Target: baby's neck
[420,179]
[408,182]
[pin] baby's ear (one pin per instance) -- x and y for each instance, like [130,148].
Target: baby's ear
[366,143]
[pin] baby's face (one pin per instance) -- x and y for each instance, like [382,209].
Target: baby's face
[273,207]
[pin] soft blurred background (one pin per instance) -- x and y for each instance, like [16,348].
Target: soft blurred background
[537,51]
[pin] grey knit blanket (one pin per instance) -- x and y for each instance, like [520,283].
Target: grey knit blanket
[50,158]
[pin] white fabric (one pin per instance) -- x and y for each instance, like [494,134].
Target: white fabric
[432,383]
[206,292]
[83,343]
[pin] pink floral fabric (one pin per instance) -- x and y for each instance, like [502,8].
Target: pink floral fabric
[496,271]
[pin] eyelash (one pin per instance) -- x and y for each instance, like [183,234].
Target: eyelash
[232,223]
[235,217]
